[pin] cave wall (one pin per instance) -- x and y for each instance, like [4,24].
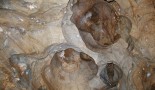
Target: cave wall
[31,27]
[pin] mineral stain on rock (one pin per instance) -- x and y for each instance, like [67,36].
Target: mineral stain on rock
[111,74]
[97,18]
[99,23]
[70,71]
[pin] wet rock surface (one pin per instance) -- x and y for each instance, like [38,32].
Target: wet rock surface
[107,44]
[111,75]
[99,23]
[63,68]
[69,71]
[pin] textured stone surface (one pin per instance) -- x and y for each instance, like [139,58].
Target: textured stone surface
[30,26]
